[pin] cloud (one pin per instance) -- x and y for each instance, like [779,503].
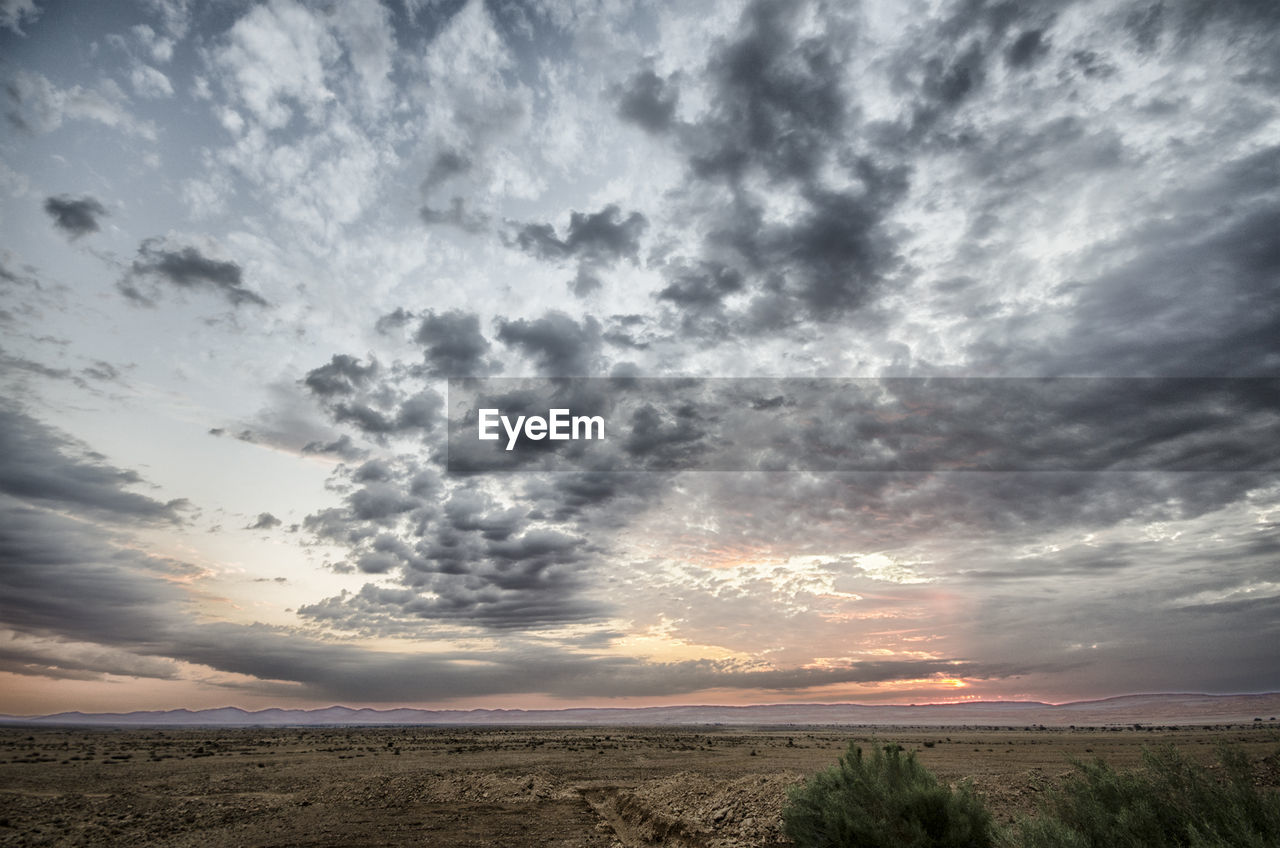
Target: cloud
[1212,313]
[1027,49]
[265,521]
[274,60]
[150,82]
[649,101]
[780,120]
[352,394]
[343,447]
[453,345]
[13,13]
[75,216]
[41,465]
[341,375]
[38,106]
[559,345]
[595,240]
[603,236]
[184,266]
[62,661]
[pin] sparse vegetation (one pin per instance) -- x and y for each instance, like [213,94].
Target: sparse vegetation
[886,801]
[1169,801]
[889,800]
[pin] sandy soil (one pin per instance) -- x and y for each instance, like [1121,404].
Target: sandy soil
[575,788]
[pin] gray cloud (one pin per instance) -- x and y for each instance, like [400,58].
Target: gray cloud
[561,346]
[1212,312]
[343,446]
[779,113]
[341,375]
[62,578]
[604,236]
[353,394]
[38,463]
[453,345]
[995,189]
[648,100]
[75,216]
[184,267]
[1027,49]
[265,521]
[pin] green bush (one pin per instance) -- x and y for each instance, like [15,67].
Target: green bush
[886,801]
[1169,801]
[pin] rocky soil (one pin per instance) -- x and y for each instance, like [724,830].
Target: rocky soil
[450,787]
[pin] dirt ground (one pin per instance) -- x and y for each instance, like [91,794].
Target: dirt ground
[612,787]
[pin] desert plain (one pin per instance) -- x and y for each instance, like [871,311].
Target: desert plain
[574,787]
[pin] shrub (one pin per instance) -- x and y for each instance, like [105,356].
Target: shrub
[886,801]
[1169,801]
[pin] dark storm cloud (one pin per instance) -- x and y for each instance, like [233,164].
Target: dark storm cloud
[375,470]
[341,375]
[360,395]
[265,521]
[75,216]
[474,562]
[777,104]
[671,442]
[419,412]
[344,672]
[559,345]
[779,112]
[648,100]
[185,267]
[1194,292]
[380,494]
[702,287]
[604,236]
[63,578]
[892,424]
[453,345]
[80,664]
[1027,49]
[40,465]
[600,500]
[520,583]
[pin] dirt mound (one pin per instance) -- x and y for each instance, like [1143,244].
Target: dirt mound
[692,810]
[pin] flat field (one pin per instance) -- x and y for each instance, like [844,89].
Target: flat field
[612,787]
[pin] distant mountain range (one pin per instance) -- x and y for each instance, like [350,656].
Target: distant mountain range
[1124,710]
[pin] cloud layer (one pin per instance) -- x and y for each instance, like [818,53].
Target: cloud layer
[1037,238]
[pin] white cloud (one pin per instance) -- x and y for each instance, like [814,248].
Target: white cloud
[276,55]
[175,15]
[364,28]
[160,47]
[41,107]
[149,82]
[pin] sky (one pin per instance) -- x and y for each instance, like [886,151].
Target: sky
[244,247]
